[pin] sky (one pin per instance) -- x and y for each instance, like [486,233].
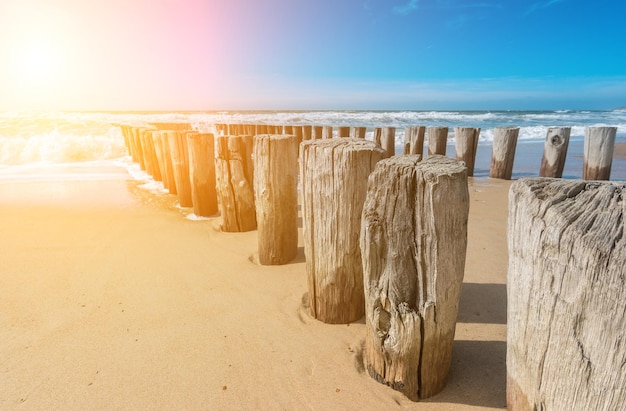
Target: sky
[312,55]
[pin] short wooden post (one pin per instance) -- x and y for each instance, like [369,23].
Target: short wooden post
[388,141]
[566,290]
[334,176]
[307,132]
[234,179]
[413,245]
[503,152]
[358,132]
[261,129]
[153,159]
[408,134]
[554,152]
[180,162]
[276,197]
[327,132]
[466,143]
[288,130]
[317,132]
[202,173]
[437,140]
[343,131]
[598,152]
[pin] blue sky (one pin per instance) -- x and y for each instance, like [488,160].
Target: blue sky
[323,54]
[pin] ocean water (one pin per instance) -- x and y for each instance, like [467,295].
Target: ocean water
[32,140]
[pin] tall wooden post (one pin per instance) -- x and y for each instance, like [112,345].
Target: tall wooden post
[413,245]
[388,141]
[466,143]
[566,289]
[276,197]
[503,154]
[138,147]
[202,173]
[437,140]
[167,160]
[378,135]
[234,179]
[334,176]
[554,152]
[180,162]
[158,151]
[598,152]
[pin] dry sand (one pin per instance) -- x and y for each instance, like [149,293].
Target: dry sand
[111,299]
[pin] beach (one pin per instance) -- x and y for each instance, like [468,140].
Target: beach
[113,299]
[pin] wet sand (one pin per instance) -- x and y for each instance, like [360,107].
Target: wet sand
[111,299]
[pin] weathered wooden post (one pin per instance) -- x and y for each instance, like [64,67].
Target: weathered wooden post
[503,152]
[158,151]
[466,143]
[598,152]
[261,129]
[234,180]
[180,162]
[288,130]
[334,182]
[343,131]
[202,173]
[327,132]
[276,197]
[413,245]
[358,132]
[378,134]
[307,132]
[388,141]
[437,140]
[318,132]
[566,290]
[152,158]
[554,152]
[414,140]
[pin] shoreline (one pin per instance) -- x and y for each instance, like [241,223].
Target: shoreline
[118,301]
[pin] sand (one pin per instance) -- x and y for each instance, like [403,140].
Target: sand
[111,299]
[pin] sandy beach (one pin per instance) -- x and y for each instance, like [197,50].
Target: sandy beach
[112,299]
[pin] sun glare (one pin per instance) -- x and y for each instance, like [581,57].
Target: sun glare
[37,63]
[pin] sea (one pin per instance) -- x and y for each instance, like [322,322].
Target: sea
[83,142]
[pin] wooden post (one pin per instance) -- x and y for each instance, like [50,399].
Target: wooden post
[158,151]
[503,154]
[408,135]
[167,159]
[554,152]
[138,147]
[261,129]
[437,140]
[288,130]
[317,132]
[358,132]
[276,197]
[388,141]
[307,132]
[598,152]
[234,179]
[417,140]
[413,245]
[180,162]
[153,159]
[202,173]
[343,131]
[466,143]
[378,133]
[334,176]
[566,290]
[327,132]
